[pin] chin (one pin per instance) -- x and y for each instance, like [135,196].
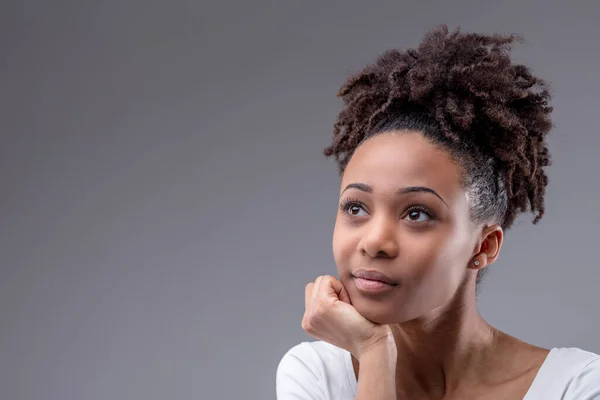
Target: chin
[381,313]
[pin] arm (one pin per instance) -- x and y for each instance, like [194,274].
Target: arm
[330,317]
[377,376]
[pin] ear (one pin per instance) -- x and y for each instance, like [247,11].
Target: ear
[488,247]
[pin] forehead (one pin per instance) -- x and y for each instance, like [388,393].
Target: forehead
[393,160]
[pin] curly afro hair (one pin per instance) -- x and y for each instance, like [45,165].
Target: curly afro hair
[462,92]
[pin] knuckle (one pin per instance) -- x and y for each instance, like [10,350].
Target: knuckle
[307,326]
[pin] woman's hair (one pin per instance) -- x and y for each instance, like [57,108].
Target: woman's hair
[461,91]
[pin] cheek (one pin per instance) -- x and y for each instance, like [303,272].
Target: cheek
[449,255]
[420,254]
[436,270]
[344,244]
[339,243]
[431,254]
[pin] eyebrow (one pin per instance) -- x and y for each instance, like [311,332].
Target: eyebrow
[409,189]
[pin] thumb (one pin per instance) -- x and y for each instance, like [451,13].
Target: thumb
[341,291]
[344,295]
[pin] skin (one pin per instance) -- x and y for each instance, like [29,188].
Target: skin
[427,243]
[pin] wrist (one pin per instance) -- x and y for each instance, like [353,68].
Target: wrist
[381,345]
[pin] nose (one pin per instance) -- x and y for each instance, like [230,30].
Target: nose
[380,238]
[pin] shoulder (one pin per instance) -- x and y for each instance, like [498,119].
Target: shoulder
[583,372]
[313,370]
[572,372]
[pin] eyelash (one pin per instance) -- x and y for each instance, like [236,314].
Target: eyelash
[355,202]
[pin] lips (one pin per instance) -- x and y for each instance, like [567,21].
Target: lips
[373,275]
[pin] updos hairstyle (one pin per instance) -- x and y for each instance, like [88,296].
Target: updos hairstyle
[463,93]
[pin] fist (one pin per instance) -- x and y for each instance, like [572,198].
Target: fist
[330,316]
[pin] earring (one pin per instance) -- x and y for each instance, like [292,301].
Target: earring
[476,263]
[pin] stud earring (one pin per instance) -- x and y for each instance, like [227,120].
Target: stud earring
[476,263]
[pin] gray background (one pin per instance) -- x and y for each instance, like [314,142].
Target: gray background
[164,197]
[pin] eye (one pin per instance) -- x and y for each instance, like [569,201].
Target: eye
[354,210]
[415,214]
[418,214]
[352,207]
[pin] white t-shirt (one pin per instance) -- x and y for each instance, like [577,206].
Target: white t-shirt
[320,371]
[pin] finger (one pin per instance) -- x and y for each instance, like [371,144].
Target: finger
[340,291]
[335,287]
[316,289]
[344,296]
[308,291]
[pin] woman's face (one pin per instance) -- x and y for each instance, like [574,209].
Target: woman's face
[403,213]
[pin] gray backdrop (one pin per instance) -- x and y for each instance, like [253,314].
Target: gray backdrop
[164,198]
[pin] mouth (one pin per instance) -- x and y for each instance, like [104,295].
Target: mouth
[373,275]
[373,281]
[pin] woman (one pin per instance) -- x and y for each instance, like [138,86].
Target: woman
[439,149]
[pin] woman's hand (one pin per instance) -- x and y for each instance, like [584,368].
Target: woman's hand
[329,316]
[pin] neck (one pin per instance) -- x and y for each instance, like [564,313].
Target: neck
[445,350]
